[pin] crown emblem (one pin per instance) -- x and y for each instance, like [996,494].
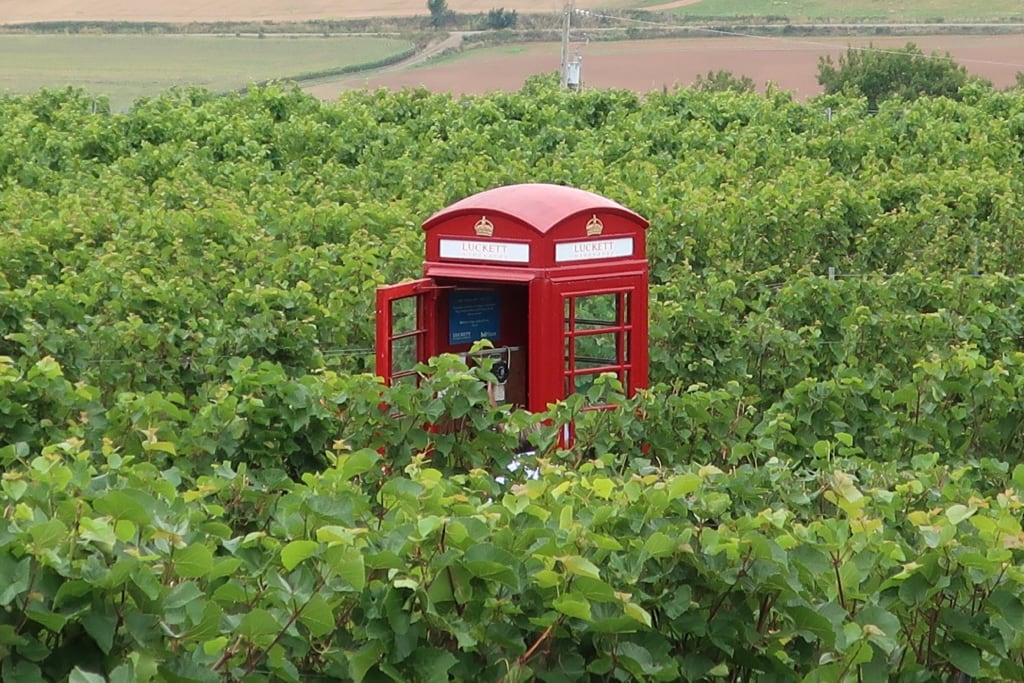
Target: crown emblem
[483,227]
[594,226]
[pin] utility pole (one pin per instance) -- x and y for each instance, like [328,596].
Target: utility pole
[566,23]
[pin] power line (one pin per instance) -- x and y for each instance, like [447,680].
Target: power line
[191,360]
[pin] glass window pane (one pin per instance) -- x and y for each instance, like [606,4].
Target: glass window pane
[410,380]
[403,354]
[403,315]
[597,310]
[583,383]
[596,349]
[595,338]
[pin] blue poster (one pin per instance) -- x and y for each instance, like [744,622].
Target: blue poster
[473,315]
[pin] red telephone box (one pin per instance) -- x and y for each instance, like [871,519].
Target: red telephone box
[555,277]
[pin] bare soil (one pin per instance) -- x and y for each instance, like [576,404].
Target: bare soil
[646,65]
[791,64]
[675,4]
[186,11]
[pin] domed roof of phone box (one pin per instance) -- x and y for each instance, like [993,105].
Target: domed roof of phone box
[540,206]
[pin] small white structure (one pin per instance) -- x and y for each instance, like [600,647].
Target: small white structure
[573,73]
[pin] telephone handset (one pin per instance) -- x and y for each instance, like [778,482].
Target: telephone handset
[501,368]
[500,371]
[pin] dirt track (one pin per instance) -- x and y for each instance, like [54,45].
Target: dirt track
[675,4]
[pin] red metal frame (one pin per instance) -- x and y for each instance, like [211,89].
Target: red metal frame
[628,329]
[424,291]
[546,248]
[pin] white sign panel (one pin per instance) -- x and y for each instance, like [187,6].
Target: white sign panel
[484,250]
[588,250]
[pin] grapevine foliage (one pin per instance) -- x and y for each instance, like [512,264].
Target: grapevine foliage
[202,479]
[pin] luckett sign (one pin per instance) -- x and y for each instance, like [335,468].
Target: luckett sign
[480,250]
[594,249]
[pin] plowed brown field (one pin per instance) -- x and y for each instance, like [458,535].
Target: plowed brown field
[185,11]
[638,65]
[791,64]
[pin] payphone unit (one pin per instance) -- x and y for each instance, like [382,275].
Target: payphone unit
[554,277]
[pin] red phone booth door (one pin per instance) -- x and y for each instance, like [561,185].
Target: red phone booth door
[604,329]
[405,315]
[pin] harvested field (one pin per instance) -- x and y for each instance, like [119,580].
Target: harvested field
[185,11]
[792,64]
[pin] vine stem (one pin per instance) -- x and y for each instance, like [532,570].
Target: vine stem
[713,610]
[280,634]
[528,655]
[836,561]
[849,662]
[34,564]
[228,653]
